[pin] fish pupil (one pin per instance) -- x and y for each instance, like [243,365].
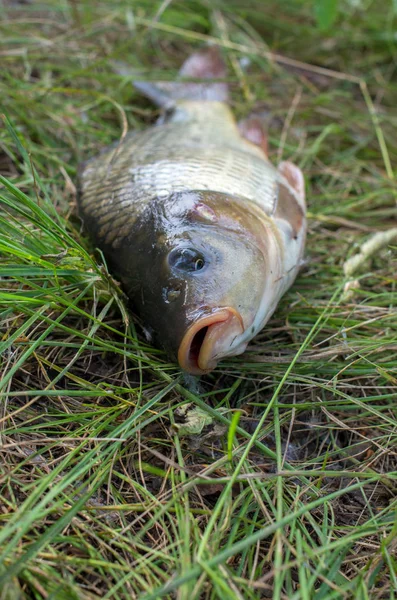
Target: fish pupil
[188,260]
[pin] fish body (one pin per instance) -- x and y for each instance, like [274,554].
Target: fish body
[203,231]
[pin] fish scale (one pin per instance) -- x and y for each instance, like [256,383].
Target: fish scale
[173,157]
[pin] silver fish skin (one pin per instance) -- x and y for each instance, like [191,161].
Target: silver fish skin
[195,188]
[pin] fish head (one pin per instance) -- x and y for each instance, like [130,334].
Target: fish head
[199,275]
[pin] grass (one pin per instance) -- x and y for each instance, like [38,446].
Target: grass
[289,490]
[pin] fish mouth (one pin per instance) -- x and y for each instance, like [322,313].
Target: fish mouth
[206,340]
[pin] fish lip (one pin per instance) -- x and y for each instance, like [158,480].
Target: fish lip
[221,325]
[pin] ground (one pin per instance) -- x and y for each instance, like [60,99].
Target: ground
[275,476]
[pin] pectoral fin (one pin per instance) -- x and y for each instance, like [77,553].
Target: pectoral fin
[295,178]
[290,209]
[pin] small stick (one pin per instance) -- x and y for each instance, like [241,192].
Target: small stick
[369,248]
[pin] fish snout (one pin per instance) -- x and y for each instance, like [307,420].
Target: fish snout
[208,339]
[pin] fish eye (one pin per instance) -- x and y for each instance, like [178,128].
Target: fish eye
[188,260]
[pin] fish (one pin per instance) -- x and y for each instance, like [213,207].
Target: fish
[204,233]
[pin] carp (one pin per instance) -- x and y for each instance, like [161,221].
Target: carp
[203,232]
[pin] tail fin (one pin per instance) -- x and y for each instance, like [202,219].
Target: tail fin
[206,64]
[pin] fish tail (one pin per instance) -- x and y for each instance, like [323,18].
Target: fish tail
[206,64]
